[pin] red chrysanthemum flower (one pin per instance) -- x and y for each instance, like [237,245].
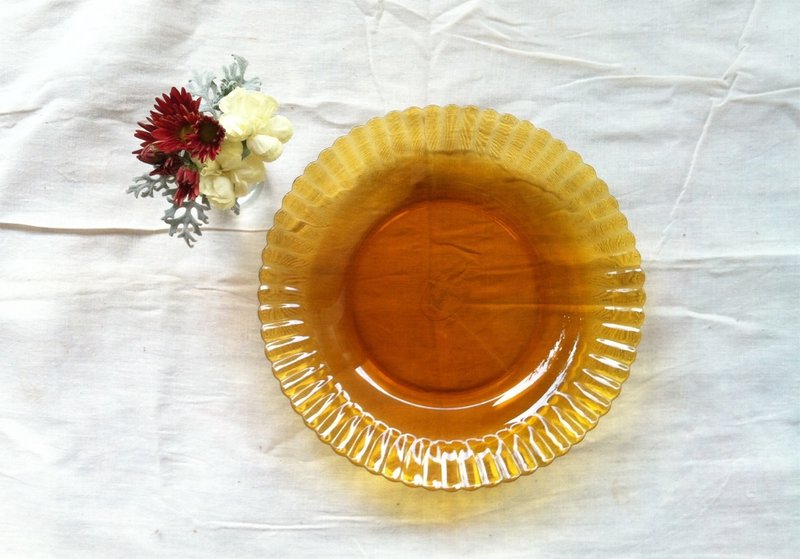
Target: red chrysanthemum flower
[205,138]
[171,131]
[178,103]
[175,103]
[188,181]
[175,124]
[171,120]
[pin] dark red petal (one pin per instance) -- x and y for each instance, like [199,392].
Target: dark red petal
[180,194]
[205,139]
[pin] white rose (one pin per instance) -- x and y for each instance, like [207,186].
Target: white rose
[245,113]
[248,116]
[250,172]
[219,190]
[230,154]
[229,176]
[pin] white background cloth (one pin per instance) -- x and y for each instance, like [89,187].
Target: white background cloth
[138,416]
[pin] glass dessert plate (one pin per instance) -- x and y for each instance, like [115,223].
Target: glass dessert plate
[450,298]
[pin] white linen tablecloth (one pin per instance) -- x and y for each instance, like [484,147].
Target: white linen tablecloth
[138,416]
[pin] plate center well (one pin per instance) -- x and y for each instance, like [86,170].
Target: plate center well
[443,297]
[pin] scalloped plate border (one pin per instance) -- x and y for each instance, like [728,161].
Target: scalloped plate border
[569,412]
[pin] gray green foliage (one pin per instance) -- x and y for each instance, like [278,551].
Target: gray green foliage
[146,185]
[211,88]
[187,219]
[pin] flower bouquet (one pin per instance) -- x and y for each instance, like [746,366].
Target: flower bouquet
[208,146]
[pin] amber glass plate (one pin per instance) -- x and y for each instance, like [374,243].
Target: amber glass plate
[450,298]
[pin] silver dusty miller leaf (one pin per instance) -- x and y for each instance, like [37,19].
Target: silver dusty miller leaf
[146,185]
[186,220]
[211,89]
[206,88]
[234,76]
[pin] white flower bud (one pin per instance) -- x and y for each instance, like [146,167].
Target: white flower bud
[280,127]
[268,148]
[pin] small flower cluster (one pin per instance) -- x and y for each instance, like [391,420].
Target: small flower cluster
[208,149]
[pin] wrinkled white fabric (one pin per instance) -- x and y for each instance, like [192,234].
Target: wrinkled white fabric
[138,416]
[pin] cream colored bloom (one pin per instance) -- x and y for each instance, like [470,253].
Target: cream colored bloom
[219,191]
[229,177]
[248,120]
[248,116]
[249,172]
[230,155]
[245,112]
